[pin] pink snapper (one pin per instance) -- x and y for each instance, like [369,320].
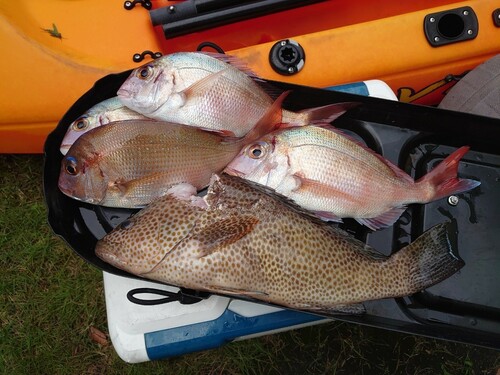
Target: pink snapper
[326,172]
[210,91]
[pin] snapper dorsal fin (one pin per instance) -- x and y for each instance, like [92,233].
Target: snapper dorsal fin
[233,61]
[239,64]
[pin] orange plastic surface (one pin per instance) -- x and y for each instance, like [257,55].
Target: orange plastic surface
[42,75]
[392,49]
[324,15]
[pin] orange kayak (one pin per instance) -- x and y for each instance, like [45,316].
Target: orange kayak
[58,49]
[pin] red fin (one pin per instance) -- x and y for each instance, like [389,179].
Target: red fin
[328,216]
[269,122]
[228,135]
[443,178]
[327,113]
[386,219]
[233,61]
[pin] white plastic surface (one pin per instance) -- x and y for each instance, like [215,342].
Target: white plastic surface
[127,321]
[380,89]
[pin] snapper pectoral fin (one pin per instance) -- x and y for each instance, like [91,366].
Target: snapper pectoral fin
[200,88]
[308,186]
[386,219]
[327,216]
[270,121]
[140,191]
[222,233]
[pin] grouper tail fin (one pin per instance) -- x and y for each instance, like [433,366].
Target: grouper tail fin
[429,259]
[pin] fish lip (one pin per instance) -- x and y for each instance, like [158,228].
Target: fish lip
[115,260]
[108,257]
[123,93]
[64,148]
[233,172]
[70,193]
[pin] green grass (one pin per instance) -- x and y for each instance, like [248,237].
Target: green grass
[50,298]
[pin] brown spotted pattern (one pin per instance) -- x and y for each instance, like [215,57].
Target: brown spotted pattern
[253,243]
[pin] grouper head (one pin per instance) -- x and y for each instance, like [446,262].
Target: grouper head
[139,243]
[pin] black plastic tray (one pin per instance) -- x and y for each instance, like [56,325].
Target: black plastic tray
[465,307]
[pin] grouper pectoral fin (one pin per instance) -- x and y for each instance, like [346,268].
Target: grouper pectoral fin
[223,232]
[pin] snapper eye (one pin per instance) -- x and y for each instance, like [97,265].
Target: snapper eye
[71,166]
[81,124]
[256,151]
[145,72]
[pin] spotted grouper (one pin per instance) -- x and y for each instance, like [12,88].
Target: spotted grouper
[243,240]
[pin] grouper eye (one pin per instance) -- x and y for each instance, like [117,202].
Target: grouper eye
[71,166]
[145,72]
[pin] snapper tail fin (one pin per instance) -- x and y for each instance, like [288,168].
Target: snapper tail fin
[443,179]
[429,259]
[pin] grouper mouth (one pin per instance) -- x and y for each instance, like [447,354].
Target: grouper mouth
[105,253]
